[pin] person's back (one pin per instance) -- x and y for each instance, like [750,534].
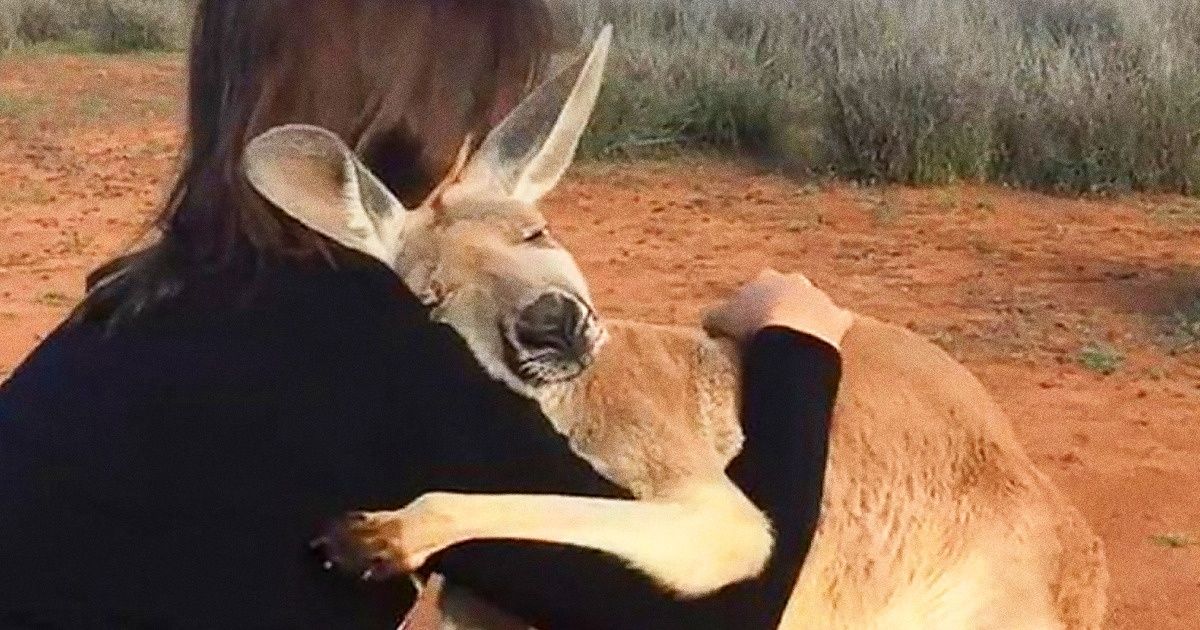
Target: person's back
[148,485]
[210,385]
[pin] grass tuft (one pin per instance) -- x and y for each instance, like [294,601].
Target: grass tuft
[54,299]
[1185,212]
[1175,540]
[93,107]
[1101,358]
[1183,328]
[19,107]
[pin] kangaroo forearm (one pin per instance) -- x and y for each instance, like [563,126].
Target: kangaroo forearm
[702,539]
[558,587]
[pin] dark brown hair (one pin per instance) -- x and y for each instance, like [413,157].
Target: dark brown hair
[404,82]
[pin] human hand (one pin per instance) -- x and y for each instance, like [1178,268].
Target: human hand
[776,299]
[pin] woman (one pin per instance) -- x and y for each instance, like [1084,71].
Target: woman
[221,395]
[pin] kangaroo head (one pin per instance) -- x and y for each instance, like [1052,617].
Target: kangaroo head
[477,251]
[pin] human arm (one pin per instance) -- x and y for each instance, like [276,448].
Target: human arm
[790,385]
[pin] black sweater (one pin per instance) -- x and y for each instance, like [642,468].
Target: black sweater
[170,475]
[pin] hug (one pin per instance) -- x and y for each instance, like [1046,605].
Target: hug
[358,346]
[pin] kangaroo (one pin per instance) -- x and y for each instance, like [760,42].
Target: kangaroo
[933,516]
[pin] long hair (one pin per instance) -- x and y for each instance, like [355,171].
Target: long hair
[404,82]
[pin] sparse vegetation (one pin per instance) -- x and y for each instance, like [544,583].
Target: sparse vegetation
[75,243]
[1175,540]
[1185,211]
[99,25]
[28,192]
[982,245]
[885,209]
[1183,328]
[946,200]
[1067,95]
[54,299]
[985,204]
[92,107]
[1101,358]
[18,107]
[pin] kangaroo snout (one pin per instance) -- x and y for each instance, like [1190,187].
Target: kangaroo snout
[553,338]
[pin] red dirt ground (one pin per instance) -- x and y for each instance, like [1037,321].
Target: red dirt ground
[1013,284]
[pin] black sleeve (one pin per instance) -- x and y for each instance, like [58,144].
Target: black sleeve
[790,385]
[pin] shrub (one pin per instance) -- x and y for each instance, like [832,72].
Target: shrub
[1066,95]
[37,21]
[128,25]
[103,25]
[674,84]
[8,26]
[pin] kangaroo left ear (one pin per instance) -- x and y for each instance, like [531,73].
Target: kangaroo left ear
[313,177]
[526,155]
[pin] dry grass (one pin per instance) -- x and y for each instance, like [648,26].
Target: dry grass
[99,25]
[1183,328]
[1070,95]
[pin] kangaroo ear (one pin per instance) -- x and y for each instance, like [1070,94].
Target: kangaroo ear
[313,177]
[525,155]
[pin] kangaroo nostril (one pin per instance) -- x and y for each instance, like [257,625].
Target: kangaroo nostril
[553,322]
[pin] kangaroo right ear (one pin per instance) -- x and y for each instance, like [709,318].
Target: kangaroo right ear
[313,177]
[525,155]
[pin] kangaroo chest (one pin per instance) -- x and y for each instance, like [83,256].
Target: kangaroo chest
[656,411]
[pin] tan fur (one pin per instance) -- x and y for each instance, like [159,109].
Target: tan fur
[657,409]
[934,516]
